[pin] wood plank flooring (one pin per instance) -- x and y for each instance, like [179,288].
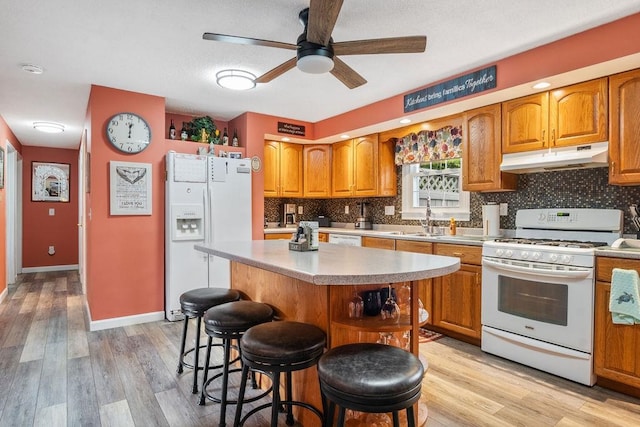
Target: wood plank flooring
[54,372]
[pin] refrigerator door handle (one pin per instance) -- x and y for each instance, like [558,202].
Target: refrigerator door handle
[209,216]
[206,222]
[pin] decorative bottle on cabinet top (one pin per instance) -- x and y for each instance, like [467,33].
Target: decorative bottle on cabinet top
[183,132]
[234,140]
[225,137]
[172,130]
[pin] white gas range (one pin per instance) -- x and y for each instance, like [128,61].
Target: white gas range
[538,289]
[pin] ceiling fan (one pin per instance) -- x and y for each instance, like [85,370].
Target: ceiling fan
[316,50]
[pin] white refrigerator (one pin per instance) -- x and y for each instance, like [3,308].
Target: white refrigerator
[207,200]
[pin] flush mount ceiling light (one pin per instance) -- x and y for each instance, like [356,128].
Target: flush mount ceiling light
[315,63]
[285,139]
[236,79]
[32,69]
[541,85]
[344,136]
[405,121]
[48,127]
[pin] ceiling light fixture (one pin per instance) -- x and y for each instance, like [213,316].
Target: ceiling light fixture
[285,139]
[32,69]
[541,85]
[236,79]
[345,136]
[405,121]
[315,64]
[48,127]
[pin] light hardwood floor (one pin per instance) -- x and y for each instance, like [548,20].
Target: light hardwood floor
[53,372]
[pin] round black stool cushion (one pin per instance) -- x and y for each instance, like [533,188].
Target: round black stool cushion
[370,377]
[236,317]
[283,343]
[196,301]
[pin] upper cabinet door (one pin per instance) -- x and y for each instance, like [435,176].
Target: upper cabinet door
[271,165]
[481,152]
[578,114]
[387,172]
[342,169]
[525,123]
[624,137]
[365,154]
[291,170]
[317,170]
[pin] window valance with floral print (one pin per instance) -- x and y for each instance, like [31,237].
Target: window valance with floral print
[430,145]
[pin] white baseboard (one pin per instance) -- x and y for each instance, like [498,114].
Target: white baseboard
[4,294]
[49,268]
[98,325]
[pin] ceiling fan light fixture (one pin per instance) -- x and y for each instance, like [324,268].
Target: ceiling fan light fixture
[315,64]
[48,127]
[235,79]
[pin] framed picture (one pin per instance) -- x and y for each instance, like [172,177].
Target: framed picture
[235,155]
[1,167]
[130,188]
[50,182]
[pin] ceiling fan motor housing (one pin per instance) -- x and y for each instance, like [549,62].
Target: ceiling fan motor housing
[318,64]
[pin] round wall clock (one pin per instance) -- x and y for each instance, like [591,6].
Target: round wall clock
[128,133]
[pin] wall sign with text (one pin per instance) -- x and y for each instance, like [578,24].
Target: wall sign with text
[291,129]
[462,86]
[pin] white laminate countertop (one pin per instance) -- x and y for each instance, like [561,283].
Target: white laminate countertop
[335,264]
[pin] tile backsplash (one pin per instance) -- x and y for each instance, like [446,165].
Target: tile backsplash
[583,188]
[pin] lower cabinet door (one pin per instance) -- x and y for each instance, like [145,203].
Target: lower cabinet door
[456,300]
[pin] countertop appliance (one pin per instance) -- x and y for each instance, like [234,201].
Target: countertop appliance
[208,199]
[363,222]
[538,289]
[288,214]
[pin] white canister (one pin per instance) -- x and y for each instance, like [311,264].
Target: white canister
[491,220]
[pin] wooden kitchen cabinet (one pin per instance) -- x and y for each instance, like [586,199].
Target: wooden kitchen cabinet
[387,170]
[378,242]
[282,169]
[317,170]
[354,167]
[457,296]
[573,115]
[624,137]
[616,347]
[277,236]
[482,151]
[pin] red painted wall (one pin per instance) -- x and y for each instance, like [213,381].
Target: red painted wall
[5,135]
[39,229]
[125,254]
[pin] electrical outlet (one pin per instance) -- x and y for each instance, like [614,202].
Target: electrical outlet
[504,207]
[346,209]
[300,210]
[389,210]
[52,211]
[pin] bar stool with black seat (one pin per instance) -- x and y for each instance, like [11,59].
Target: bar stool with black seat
[275,348]
[229,322]
[194,304]
[366,377]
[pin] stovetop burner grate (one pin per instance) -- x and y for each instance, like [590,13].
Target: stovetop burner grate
[548,242]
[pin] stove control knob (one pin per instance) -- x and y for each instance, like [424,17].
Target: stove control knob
[536,255]
[508,253]
[553,257]
[566,259]
[524,254]
[499,252]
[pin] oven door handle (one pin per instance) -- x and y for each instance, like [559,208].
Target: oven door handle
[549,273]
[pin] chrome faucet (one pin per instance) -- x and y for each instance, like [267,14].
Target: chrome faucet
[429,229]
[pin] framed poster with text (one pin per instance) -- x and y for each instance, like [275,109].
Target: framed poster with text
[130,188]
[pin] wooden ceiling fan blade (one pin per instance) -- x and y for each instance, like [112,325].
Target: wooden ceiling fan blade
[407,44]
[247,40]
[347,75]
[323,15]
[277,71]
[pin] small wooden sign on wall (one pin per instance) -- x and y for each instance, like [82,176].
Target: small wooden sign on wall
[459,87]
[292,129]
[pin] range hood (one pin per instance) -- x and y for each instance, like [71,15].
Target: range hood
[553,159]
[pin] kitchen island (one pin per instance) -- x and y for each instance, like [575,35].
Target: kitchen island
[316,286]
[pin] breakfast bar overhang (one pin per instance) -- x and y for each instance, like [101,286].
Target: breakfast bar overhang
[315,287]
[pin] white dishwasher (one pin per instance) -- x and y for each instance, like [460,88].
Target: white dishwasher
[344,239]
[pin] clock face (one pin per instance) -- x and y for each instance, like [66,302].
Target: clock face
[128,133]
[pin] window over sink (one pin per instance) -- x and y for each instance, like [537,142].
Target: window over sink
[436,182]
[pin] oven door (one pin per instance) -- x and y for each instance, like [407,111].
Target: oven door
[546,302]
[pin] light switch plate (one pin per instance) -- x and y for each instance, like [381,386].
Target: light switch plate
[389,210]
[300,210]
[52,211]
[346,209]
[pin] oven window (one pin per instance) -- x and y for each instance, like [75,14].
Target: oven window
[544,302]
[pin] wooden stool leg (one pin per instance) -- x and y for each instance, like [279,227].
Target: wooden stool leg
[182,343]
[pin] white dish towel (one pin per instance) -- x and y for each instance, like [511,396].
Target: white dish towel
[624,301]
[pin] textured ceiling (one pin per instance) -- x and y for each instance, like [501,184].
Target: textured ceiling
[156,47]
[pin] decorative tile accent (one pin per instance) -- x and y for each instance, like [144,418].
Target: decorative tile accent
[584,188]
